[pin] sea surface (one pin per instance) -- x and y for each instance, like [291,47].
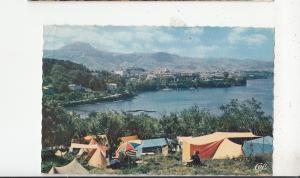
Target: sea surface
[161,102]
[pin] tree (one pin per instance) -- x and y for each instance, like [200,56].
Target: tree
[142,125]
[172,126]
[59,78]
[56,125]
[245,116]
[198,121]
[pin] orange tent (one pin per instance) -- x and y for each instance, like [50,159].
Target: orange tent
[88,138]
[98,159]
[218,145]
[129,138]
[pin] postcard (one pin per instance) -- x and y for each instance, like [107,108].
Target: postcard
[154,100]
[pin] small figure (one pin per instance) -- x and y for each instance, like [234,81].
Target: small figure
[196,158]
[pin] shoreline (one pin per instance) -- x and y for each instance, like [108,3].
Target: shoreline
[125,96]
[114,97]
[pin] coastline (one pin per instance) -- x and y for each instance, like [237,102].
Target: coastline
[114,97]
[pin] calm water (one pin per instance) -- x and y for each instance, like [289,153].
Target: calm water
[166,101]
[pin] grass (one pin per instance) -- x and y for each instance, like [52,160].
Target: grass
[171,165]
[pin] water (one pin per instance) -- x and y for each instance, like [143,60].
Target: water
[165,101]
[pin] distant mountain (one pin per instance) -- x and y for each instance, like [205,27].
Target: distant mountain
[84,53]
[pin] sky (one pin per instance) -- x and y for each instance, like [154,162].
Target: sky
[203,42]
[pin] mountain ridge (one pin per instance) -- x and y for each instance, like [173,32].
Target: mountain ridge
[93,58]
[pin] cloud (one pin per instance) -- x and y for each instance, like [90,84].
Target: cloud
[194,31]
[240,35]
[256,39]
[184,41]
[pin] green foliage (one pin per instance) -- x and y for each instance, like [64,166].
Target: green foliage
[245,116]
[59,126]
[56,125]
[237,116]
[60,74]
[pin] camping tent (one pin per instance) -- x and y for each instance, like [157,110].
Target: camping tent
[80,152]
[181,138]
[218,145]
[98,159]
[73,167]
[152,145]
[96,154]
[128,138]
[258,146]
[101,139]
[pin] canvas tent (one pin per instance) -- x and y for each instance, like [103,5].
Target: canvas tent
[258,146]
[98,159]
[96,153]
[218,145]
[80,153]
[152,145]
[72,168]
[100,139]
[129,138]
[83,146]
[181,138]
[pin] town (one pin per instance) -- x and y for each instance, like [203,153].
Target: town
[73,84]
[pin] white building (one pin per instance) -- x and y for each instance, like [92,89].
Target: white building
[111,86]
[120,72]
[151,76]
[161,71]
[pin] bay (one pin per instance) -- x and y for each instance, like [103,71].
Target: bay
[162,102]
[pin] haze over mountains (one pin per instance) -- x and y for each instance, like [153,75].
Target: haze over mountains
[84,53]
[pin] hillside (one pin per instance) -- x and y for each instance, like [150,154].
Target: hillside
[59,74]
[84,53]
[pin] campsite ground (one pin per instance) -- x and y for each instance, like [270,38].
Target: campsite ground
[172,165]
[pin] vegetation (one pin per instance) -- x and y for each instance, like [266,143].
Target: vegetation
[59,74]
[172,165]
[59,126]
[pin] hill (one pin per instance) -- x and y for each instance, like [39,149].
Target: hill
[84,53]
[60,73]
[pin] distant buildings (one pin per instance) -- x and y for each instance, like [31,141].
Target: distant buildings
[151,77]
[121,72]
[134,74]
[130,72]
[111,86]
[160,71]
